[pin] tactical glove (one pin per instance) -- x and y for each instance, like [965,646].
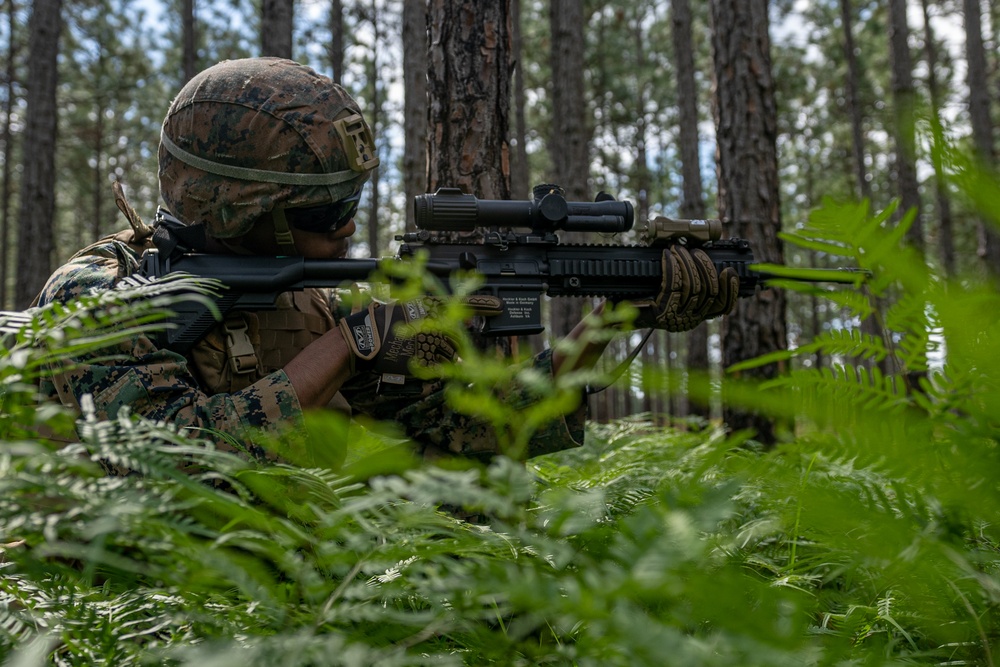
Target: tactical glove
[378,344]
[691,291]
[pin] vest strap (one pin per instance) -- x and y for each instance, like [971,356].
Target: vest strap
[239,349]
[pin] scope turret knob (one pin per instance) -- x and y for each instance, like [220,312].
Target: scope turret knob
[552,210]
[543,189]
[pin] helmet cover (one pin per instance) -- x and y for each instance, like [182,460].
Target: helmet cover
[247,136]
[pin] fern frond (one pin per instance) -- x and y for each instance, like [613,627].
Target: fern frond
[837,343]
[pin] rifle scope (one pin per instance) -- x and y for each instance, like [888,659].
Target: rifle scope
[450,210]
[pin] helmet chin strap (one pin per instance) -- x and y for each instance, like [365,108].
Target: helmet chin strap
[282,234]
[277,224]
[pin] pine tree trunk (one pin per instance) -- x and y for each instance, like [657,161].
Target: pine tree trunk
[854,101]
[8,152]
[468,80]
[870,325]
[414,103]
[569,141]
[100,107]
[374,117]
[276,28]
[904,101]
[520,179]
[904,121]
[746,132]
[982,125]
[693,201]
[190,55]
[38,201]
[945,236]
[335,51]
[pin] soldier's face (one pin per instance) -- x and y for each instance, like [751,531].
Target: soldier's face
[324,245]
[311,245]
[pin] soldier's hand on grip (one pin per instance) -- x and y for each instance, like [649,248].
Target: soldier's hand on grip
[691,291]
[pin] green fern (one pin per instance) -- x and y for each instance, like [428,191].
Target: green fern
[868,537]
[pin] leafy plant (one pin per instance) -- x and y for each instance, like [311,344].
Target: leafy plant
[867,538]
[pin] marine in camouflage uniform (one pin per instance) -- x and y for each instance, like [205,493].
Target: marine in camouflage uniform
[264,156]
[201,390]
[252,143]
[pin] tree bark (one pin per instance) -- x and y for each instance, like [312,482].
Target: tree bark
[570,138]
[982,124]
[855,110]
[335,51]
[415,103]
[468,80]
[904,100]
[8,152]
[945,236]
[520,179]
[746,132]
[37,212]
[188,27]
[693,199]
[276,28]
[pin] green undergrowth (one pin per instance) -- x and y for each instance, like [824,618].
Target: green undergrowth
[868,538]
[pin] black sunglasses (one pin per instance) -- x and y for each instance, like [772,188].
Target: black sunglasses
[326,218]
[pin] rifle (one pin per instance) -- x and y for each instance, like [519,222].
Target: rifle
[513,245]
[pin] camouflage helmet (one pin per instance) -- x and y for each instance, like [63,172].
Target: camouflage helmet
[246,137]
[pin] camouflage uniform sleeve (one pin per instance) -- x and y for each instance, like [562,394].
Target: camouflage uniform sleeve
[152,382]
[435,426]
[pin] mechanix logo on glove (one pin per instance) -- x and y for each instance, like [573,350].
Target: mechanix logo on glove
[377,343]
[380,342]
[414,311]
[364,338]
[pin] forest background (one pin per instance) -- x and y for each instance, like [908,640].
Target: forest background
[850,520]
[621,97]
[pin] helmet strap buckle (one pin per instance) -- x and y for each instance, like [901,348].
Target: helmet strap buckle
[282,232]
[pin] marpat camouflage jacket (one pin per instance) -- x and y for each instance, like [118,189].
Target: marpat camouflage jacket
[161,385]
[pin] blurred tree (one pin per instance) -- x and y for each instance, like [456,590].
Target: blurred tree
[520,182]
[14,37]
[852,100]
[335,49]
[981,119]
[692,205]
[219,31]
[945,226]
[569,140]
[276,22]
[415,103]
[111,103]
[38,177]
[904,119]
[374,95]
[189,55]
